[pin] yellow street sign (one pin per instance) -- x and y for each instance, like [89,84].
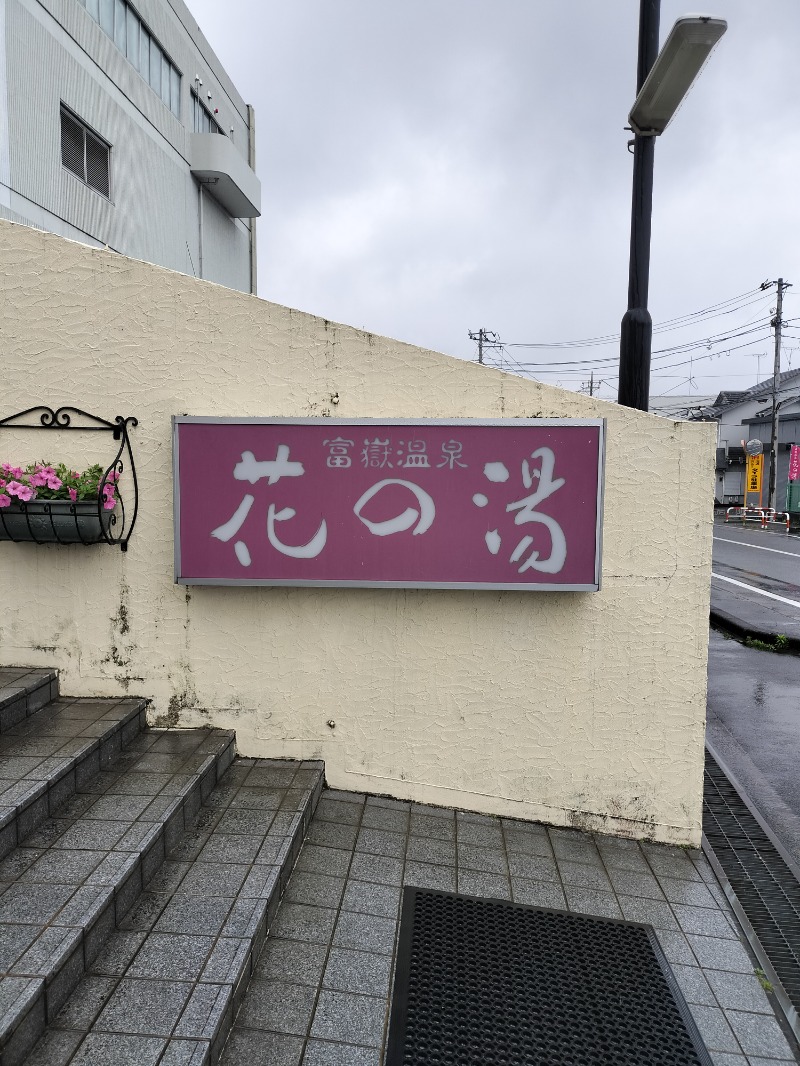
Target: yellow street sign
[755,468]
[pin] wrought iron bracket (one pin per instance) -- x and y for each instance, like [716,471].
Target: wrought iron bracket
[83,522]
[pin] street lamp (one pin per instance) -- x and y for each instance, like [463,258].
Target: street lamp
[662,81]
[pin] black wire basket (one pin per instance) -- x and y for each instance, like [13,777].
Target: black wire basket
[44,521]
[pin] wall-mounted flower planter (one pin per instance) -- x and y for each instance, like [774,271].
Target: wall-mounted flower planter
[96,512]
[56,522]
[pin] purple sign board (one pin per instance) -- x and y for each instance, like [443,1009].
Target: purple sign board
[514,504]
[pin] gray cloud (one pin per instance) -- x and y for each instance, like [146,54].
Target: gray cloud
[430,168]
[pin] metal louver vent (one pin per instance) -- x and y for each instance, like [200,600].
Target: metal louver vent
[72,145]
[84,154]
[97,164]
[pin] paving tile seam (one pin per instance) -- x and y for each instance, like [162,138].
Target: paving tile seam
[231,991]
[234,990]
[654,863]
[307,1036]
[25,684]
[44,797]
[87,819]
[107,912]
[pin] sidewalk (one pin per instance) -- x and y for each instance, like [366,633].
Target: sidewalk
[321,990]
[734,612]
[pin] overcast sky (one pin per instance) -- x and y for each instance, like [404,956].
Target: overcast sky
[436,166]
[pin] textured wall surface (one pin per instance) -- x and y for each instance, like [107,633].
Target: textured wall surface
[577,709]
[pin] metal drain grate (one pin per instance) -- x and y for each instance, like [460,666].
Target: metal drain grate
[483,982]
[766,888]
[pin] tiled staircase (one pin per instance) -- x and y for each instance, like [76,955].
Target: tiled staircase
[139,871]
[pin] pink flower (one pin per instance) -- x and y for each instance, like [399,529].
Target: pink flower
[73,494]
[12,471]
[2,483]
[22,492]
[110,504]
[53,482]
[38,479]
[5,501]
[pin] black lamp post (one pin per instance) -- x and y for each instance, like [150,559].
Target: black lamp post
[637,325]
[662,80]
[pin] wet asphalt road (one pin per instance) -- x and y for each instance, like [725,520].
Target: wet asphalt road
[754,725]
[756,577]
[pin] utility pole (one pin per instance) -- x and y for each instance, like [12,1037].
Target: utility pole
[591,384]
[484,337]
[777,322]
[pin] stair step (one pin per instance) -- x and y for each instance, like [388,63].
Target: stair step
[46,756]
[78,874]
[23,690]
[167,986]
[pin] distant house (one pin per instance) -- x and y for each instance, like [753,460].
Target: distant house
[123,130]
[747,415]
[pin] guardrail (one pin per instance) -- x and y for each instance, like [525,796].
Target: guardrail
[765,516]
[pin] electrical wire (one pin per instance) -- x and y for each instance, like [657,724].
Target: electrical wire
[675,349]
[655,371]
[569,368]
[669,323]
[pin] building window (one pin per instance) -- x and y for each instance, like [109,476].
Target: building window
[202,119]
[84,154]
[122,24]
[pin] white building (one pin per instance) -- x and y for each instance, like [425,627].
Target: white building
[120,128]
[747,414]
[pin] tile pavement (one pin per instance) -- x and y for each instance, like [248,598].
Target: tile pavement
[321,987]
[23,690]
[47,752]
[79,863]
[166,985]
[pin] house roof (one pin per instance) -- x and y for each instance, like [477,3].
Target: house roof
[788,382]
[725,398]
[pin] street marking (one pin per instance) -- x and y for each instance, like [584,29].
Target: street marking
[752,588]
[761,532]
[758,547]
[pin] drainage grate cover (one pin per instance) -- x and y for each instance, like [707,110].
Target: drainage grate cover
[483,982]
[764,885]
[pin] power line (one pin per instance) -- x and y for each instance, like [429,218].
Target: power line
[611,338]
[568,369]
[675,349]
[657,370]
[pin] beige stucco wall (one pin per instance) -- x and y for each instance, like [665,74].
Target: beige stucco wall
[584,709]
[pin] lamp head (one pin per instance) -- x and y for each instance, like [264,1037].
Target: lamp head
[685,51]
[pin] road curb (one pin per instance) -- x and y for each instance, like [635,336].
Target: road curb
[729,624]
